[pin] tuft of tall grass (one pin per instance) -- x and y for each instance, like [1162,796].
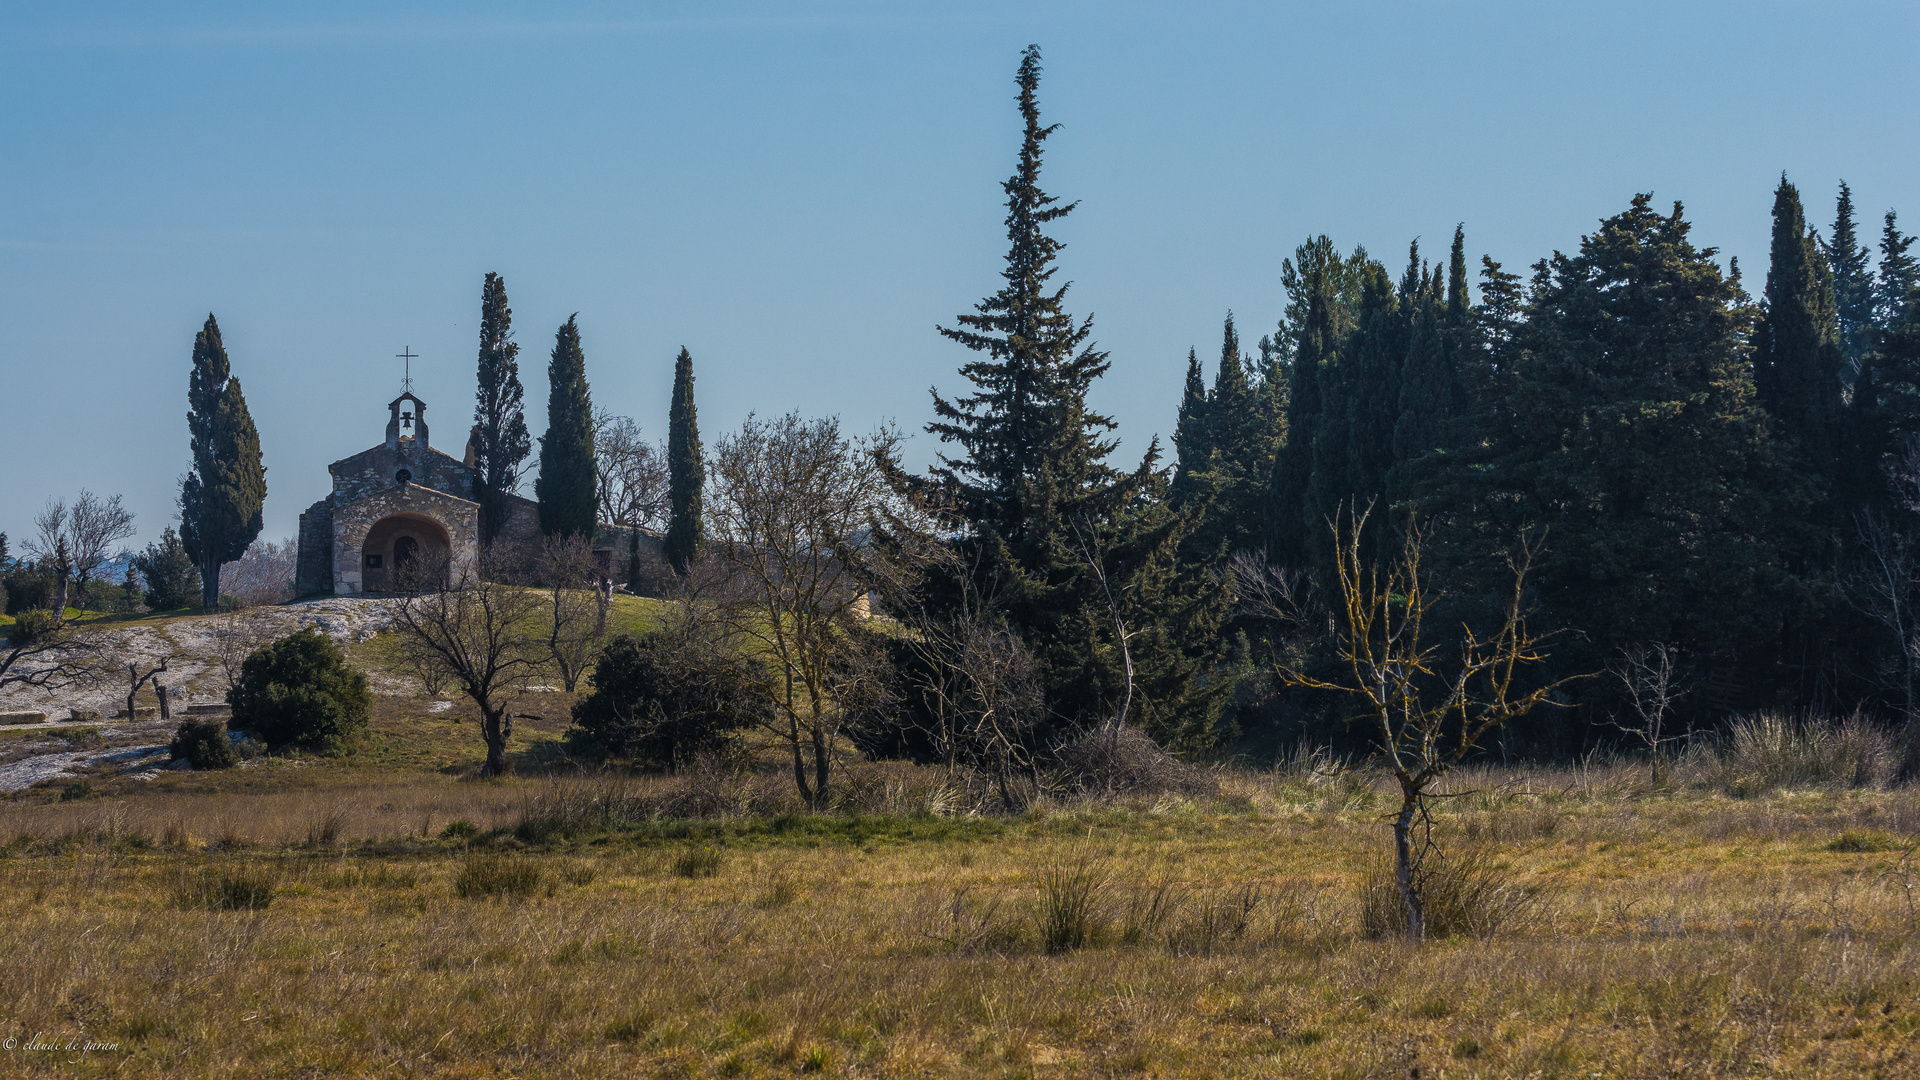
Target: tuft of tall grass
[1466,893]
[1769,751]
[486,876]
[697,862]
[229,887]
[1071,892]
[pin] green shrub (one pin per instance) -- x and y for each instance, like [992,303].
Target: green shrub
[30,624]
[172,579]
[485,876]
[459,830]
[204,745]
[300,691]
[664,699]
[30,588]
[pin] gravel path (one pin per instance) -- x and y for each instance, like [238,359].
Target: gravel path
[34,770]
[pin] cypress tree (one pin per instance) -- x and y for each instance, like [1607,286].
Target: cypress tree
[1797,364]
[1351,459]
[1292,513]
[1899,276]
[1191,447]
[565,486]
[1852,286]
[686,470]
[222,497]
[500,440]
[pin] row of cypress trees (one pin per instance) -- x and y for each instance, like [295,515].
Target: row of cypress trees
[565,489]
[1700,461]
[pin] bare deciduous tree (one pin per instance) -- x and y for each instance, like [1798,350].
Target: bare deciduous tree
[82,537]
[576,610]
[792,511]
[978,682]
[41,653]
[630,474]
[138,678]
[478,634]
[235,636]
[264,575]
[1426,718]
[1646,672]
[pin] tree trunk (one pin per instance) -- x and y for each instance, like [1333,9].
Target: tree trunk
[821,764]
[1403,867]
[60,600]
[210,585]
[799,763]
[496,727]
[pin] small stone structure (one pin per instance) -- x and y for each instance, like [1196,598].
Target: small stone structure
[404,501]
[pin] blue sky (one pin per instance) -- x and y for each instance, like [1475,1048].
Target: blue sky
[798,193]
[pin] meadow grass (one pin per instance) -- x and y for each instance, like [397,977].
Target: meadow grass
[348,929]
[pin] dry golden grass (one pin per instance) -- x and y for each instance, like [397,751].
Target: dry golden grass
[1677,934]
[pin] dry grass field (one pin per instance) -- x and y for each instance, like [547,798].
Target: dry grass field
[386,916]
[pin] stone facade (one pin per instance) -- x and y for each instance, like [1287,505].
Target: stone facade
[404,500]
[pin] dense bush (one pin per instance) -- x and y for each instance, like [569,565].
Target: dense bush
[300,691]
[29,588]
[666,698]
[172,581]
[30,624]
[204,745]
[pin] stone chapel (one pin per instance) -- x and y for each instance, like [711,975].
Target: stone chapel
[403,500]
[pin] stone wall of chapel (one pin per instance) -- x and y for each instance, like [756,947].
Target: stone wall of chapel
[373,470]
[353,520]
[313,570]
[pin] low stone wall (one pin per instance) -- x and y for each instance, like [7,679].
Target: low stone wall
[29,716]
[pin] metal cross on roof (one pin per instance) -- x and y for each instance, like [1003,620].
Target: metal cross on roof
[406,353]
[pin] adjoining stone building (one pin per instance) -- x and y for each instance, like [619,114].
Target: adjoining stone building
[402,501]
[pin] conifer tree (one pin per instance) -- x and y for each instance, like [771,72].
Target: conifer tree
[223,496]
[1074,548]
[1354,453]
[686,470]
[1797,360]
[1899,276]
[565,486]
[1852,286]
[500,441]
[1636,441]
[1292,514]
[1191,447]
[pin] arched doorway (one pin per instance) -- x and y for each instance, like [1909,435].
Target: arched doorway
[399,542]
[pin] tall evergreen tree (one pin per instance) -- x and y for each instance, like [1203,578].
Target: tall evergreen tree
[500,442]
[1899,276]
[1193,450]
[686,470]
[1074,548]
[222,497]
[1637,442]
[1852,286]
[1294,518]
[565,487]
[1797,359]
